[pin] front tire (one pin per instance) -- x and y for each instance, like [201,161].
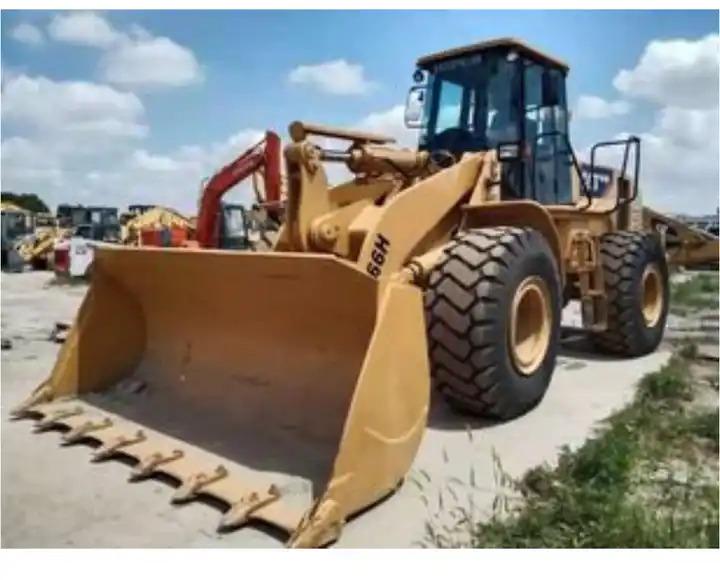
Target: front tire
[493,316]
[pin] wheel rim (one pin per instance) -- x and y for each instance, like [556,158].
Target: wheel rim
[652,295]
[530,325]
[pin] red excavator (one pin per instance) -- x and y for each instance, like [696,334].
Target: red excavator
[218,225]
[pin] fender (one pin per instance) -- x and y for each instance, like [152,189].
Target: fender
[517,213]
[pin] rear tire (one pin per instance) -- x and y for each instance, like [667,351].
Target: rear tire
[493,319]
[636,285]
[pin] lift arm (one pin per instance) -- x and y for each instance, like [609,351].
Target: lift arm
[264,156]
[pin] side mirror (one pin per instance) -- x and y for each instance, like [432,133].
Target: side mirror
[414,107]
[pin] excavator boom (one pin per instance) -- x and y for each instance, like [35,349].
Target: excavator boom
[263,156]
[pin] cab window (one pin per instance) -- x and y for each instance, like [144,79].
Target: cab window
[547,163]
[449,106]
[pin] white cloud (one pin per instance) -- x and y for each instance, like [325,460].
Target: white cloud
[28,34]
[131,174]
[132,59]
[27,167]
[680,170]
[63,130]
[391,122]
[679,73]
[336,77]
[150,63]
[8,73]
[593,107]
[83,28]
[144,160]
[115,171]
[44,106]
[174,178]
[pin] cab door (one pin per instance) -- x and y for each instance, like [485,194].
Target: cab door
[546,156]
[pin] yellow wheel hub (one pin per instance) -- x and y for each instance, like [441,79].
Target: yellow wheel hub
[530,325]
[652,295]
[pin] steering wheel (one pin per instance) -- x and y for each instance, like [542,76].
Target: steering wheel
[442,158]
[454,139]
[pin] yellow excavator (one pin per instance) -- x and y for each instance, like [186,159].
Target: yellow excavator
[294,385]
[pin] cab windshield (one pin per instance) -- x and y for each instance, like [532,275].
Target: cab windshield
[472,103]
[235,232]
[235,225]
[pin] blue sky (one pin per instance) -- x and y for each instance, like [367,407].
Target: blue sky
[234,78]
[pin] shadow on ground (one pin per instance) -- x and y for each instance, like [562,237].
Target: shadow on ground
[575,347]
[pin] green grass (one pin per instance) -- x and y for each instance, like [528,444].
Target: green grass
[700,291]
[642,482]
[703,425]
[669,385]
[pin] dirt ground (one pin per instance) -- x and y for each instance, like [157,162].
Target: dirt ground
[55,497]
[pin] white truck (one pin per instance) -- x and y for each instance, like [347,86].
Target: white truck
[73,258]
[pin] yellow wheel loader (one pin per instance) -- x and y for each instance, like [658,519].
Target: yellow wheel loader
[294,385]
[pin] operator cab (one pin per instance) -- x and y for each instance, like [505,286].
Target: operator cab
[503,95]
[234,227]
[97,223]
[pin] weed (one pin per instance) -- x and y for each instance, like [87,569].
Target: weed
[630,486]
[669,384]
[700,291]
[689,350]
[703,425]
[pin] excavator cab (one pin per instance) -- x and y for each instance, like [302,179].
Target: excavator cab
[499,95]
[234,227]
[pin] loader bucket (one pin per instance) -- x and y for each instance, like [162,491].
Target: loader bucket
[292,387]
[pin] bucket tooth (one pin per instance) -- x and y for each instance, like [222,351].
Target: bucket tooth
[79,432]
[114,445]
[54,417]
[319,527]
[240,512]
[151,462]
[193,484]
[42,394]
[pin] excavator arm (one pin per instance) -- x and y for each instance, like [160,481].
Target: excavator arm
[263,156]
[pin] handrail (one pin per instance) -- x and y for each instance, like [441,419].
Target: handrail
[630,141]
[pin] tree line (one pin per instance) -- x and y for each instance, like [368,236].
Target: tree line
[28,201]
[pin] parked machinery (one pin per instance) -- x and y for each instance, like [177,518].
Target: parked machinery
[79,227]
[17,224]
[156,226]
[294,385]
[685,245]
[218,223]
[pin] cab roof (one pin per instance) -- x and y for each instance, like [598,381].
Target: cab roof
[496,43]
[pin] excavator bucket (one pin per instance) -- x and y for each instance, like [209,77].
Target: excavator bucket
[292,387]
